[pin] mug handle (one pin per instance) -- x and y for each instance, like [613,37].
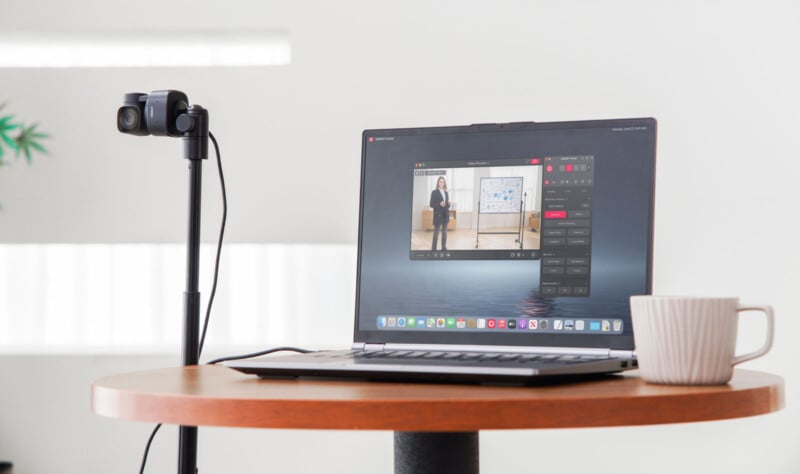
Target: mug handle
[770,314]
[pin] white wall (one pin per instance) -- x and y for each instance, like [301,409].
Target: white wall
[718,76]
[721,78]
[98,297]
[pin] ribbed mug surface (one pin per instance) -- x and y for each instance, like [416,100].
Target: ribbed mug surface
[685,340]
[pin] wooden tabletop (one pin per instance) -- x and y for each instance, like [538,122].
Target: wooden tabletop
[218,396]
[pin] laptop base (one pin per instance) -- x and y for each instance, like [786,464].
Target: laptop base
[362,366]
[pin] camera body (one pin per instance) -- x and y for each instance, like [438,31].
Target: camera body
[152,114]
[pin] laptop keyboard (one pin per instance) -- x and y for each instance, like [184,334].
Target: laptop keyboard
[476,357]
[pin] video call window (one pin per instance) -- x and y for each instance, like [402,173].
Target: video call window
[477,210]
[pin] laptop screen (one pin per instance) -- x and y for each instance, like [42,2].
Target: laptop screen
[532,234]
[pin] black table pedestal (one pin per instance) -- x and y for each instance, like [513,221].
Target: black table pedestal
[436,453]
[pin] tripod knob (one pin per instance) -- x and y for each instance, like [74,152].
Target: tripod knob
[185,123]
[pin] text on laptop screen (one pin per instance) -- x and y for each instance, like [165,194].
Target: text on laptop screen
[505,234]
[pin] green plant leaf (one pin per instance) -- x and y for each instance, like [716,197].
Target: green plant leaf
[39,147]
[23,139]
[10,142]
[28,138]
[6,126]
[5,122]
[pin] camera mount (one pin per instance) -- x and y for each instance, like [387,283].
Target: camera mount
[168,113]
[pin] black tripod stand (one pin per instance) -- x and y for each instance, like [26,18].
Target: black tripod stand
[168,113]
[194,124]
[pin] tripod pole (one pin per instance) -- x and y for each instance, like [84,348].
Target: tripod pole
[194,125]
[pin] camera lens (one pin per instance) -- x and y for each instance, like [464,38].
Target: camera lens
[129,118]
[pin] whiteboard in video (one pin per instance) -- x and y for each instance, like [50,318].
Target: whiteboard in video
[501,195]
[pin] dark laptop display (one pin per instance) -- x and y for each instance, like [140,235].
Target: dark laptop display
[550,261]
[480,243]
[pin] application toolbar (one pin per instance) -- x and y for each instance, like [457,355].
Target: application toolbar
[489,324]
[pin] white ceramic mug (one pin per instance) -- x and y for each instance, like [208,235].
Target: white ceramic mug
[690,340]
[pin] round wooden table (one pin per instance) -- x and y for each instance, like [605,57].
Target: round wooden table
[434,424]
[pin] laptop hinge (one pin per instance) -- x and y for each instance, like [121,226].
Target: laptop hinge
[622,354]
[366,346]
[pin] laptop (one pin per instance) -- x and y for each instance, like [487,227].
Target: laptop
[496,253]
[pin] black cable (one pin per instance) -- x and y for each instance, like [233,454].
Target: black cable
[213,285]
[260,353]
[219,243]
[147,448]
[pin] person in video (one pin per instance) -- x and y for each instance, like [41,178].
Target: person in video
[440,202]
